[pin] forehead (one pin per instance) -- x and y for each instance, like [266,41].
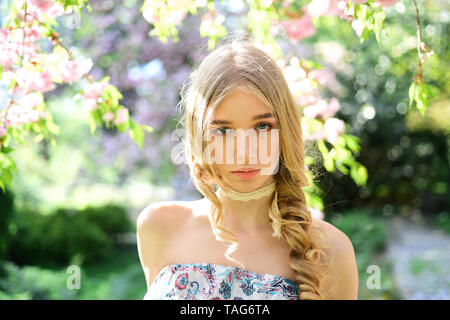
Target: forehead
[239,105]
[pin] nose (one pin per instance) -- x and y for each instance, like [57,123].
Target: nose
[246,147]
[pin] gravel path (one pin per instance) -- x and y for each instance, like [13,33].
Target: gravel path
[421,260]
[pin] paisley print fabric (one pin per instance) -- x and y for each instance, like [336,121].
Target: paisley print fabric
[207,281]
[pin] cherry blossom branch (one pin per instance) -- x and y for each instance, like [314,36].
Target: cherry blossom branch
[419,74]
[15,83]
[293,51]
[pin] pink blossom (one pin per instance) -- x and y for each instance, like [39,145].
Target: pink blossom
[299,28]
[386,3]
[332,107]
[121,116]
[321,76]
[42,82]
[32,100]
[30,80]
[32,116]
[74,70]
[42,5]
[94,90]
[48,7]
[4,34]
[316,135]
[56,10]
[43,114]
[305,99]
[108,116]
[7,55]
[3,131]
[322,108]
[38,10]
[338,8]
[174,17]
[286,3]
[91,104]
[317,8]
[34,33]
[334,128]
[316,213]
[22,114]
[315,109]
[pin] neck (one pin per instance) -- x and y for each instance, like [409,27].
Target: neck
[247,213]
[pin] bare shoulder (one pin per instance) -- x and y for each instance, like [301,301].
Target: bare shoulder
[336,238]
[160,217]
[155,226]
[342,280]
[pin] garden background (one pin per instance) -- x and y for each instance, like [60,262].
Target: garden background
[75,201]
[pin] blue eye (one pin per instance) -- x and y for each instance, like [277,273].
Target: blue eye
[221,130]
[264,126]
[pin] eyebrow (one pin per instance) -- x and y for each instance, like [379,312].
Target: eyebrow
[258,117]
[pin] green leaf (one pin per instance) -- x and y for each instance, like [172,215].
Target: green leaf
[359,174]
[328,162]
[137,133]
[12,84]
[147,128]
[7,176]
[123,126]
[92,124]
[6,149]
[352,142]
[322,147]
[365,34]
[427,87]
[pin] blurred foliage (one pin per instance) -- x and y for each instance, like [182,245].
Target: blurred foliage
[407,158]
[406,155]
[111,219]
[66,235]
[442,221]
[118,277]
[6,212]
[367,232]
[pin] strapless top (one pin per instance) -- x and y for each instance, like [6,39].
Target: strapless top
[208,281]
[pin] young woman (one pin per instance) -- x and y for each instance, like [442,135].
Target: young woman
[278,250]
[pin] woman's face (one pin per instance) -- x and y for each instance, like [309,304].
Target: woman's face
[244,142]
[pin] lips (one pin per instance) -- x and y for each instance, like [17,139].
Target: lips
[245,174]
[245,170]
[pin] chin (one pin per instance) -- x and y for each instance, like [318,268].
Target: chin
[249,185]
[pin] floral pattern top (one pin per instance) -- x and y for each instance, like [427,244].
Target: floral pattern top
[207,281]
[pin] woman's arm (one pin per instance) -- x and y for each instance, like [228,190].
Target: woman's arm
[154,226]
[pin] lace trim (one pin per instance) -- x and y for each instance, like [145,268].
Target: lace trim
[274,212]
[254,195]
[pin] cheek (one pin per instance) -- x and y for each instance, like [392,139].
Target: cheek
[268,147]
[221,150]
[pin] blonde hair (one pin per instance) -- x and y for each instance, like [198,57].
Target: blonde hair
[237,63]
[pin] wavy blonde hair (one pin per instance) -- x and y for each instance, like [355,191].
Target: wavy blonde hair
[237,63]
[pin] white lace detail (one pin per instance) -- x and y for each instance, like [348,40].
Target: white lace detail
[274,212]
[254,195]
[275,216]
